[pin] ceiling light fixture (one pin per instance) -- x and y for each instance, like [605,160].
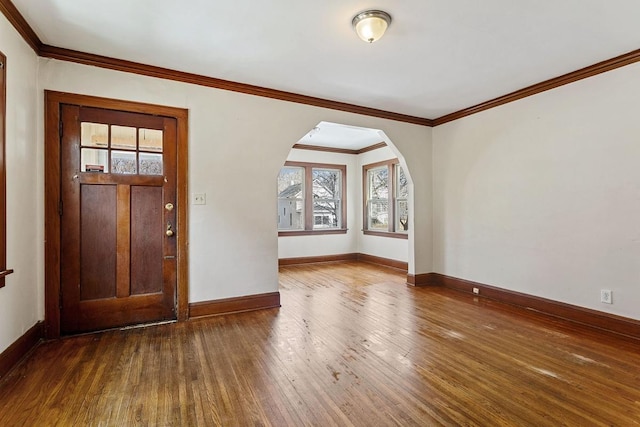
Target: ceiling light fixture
[370,25]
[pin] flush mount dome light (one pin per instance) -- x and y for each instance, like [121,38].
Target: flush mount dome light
[370,25]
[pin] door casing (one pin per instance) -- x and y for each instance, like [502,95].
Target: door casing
[52,195]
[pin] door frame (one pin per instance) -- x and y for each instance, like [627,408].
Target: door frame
[52,196]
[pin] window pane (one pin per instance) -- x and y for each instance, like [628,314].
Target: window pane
[291,198]
[378,215]
[150,164]
[94,134]
[123,162]
[378,203]
[290,182]
[123,137]
[402,215]
[150,139]
[326,183]
[326,188]
[378,180]
[402,191]
[93,160]
[290,214]
[327,214]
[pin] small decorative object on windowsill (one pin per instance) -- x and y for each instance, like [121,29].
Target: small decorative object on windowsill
[94,168]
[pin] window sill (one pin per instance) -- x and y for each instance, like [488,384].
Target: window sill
[312,232]
[5,273]
[392,235]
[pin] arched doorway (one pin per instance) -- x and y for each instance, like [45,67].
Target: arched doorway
[378,231]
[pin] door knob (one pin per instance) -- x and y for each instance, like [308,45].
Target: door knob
[169,231]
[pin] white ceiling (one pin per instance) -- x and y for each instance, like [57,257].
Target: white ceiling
[336,135]
[436,58]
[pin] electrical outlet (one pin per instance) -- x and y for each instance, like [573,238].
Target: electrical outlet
[476,291]
[199,199]
[606,296]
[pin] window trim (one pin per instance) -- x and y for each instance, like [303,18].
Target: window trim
[4,272]
[392,165]
[308,201]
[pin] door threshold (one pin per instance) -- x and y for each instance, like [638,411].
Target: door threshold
[122,328]
[146,325]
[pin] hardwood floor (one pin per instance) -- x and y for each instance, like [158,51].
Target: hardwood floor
[351,345]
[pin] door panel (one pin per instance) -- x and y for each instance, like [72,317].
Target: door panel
[147,235]
[118,264]
[97,241]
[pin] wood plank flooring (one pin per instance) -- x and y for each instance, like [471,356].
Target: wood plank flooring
[352,345]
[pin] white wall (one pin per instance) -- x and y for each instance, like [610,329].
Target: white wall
[542,195]
[418,167]
[22,299]
[237,145]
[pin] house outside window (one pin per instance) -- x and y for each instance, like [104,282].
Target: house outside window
[291,198]
[311,199]
[386,204]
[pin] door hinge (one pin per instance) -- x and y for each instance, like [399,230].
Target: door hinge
[60,208]
[60,128]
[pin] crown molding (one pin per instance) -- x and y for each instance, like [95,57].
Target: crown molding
[574,76]
[339,150]
[371,147]
[21,25]
[48,51]
[69,55]
[325,149]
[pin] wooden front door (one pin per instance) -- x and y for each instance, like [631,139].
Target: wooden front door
[118,218]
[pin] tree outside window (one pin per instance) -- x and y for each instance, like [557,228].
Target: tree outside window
[311,199]
[402,200]
[386,208]
[326,187]
[378,200]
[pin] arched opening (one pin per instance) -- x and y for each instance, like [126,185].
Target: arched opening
[345,192]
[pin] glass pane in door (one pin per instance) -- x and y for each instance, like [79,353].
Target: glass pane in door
[123,162]
[123,137]
[150,164]
[150,140]
[94,160]
[94,134]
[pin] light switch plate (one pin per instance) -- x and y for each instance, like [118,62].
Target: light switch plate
[199,199]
